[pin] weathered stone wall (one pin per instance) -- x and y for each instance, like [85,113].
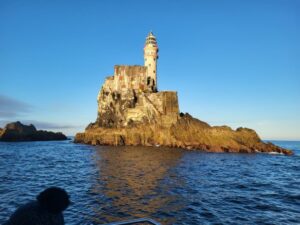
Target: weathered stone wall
[130,77]
[160,108]
[165,101]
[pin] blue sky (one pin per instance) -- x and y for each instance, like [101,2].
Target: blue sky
[232,62]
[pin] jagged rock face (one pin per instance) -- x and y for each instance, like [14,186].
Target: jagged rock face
[129,107]
[112,107]
[19,132]
[187,133]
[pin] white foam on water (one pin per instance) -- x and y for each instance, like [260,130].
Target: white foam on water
[275,153]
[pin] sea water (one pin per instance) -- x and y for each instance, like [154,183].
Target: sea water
[172,186]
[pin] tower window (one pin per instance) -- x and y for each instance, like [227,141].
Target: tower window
[153,71]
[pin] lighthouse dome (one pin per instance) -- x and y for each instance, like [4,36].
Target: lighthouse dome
[151,39]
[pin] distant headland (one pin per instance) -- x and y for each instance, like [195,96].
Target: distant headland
[17,131]
[131,111]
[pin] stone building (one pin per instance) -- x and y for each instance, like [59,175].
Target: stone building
[130,96]
[131,111]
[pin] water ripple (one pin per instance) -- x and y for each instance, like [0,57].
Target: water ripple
[173,186]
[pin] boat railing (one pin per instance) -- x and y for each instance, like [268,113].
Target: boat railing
[135,221]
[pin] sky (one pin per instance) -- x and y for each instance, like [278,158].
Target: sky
[233,63]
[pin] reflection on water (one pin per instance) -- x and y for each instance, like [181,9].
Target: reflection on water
[172,186]
[136,182]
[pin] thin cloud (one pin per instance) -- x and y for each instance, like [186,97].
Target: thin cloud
[10,107]
[6,114]
[42,125]
[48,125]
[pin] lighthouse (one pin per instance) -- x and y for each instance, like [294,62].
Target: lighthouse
[150,60]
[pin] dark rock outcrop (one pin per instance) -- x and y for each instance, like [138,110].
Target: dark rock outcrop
[19,132]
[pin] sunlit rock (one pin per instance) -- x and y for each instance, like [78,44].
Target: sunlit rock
[132,112]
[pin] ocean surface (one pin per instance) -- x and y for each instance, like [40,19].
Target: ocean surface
[173,186]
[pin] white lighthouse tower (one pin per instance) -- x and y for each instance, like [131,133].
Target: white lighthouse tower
[150,57]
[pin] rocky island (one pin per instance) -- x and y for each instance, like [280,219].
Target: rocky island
[19,132]
[131,111]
